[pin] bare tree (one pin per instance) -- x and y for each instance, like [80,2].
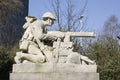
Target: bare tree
[111,27]
[57,10]
[67,18]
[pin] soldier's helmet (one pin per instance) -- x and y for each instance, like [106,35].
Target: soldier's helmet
[49,15]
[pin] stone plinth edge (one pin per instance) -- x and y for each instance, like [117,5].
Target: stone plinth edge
[50,67]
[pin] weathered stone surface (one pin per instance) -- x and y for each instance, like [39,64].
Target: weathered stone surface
[54,76]
[54,71]
[49,67]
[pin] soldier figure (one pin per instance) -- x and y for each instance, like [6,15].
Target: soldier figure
[35,51]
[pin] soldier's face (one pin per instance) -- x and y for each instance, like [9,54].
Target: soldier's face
[51,21]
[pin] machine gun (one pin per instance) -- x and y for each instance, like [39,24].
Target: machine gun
[77,34]
[67,35]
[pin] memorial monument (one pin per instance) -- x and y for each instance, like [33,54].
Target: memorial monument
[49,55]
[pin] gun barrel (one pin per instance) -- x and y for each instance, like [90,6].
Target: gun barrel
[82,34]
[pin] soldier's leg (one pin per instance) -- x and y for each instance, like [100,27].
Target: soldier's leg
[86,59]
[29,57]
[32,49]
[17,58]
[33,58]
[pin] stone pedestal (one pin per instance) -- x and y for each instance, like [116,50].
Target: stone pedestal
[59,71]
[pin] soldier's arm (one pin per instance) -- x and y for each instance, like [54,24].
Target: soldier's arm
[37,26]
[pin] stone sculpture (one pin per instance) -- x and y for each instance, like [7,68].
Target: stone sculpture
[49,55]
[39,46]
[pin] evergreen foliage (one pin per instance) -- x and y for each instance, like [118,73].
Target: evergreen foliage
[5,63]
[12,14]
[106,51]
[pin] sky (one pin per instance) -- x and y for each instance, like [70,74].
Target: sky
[96,12]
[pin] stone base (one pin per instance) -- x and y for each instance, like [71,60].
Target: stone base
[54,72]
[54,76]
[49,67]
